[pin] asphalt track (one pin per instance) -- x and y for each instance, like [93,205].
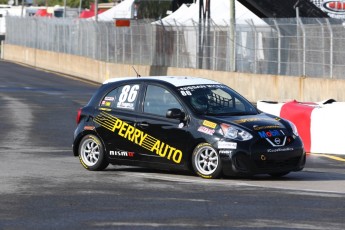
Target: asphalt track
[42,186]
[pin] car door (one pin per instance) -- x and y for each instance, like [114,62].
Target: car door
[167,139]
[115,121]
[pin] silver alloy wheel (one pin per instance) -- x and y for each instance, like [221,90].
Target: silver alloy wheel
[206,160]
[90,152]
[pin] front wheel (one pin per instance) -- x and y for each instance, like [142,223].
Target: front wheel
[206,161]
[91,153]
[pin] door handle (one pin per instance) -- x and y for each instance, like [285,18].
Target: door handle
[142,124]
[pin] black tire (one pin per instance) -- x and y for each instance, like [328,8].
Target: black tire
[206,161]
[91,153]
[278,175]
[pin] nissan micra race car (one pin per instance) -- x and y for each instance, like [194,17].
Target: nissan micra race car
[183,123]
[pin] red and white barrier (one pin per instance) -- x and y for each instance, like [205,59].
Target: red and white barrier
[320,125]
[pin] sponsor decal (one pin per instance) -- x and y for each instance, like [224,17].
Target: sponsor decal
[209,124]
[279,150]
[109,98]
[138,137]
[106,103]
[255,119]
[105,109]
[181,125]
[257,128]
[225,151]
[186,93]
[125,105]
[206,130]
[227,145]
[335,7]
[188,90]
[87,127]
[121,153]
[271,133]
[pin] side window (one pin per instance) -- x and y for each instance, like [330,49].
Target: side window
[158,100]
[123,97]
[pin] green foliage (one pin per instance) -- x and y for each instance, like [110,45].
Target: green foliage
[69,3]
[153,9]
[3,2]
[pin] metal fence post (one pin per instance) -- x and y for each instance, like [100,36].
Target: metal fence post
[279,46]
[331,49]
[252,26]
[299,21]
[177,47]
[132,43]
[107,41]
[323,47]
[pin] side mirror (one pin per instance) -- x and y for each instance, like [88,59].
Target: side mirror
[175,114]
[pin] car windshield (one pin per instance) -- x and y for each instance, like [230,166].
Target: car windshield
[217,100]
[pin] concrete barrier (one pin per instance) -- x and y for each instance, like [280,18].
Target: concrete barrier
[254,87]
[320,125]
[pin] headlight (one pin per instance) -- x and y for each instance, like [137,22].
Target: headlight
[293,127]
[235,133]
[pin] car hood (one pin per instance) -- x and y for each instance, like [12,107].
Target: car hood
[257,122]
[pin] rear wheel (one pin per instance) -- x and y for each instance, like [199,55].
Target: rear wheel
[91,153]
[206,161]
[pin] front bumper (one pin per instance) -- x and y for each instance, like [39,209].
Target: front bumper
[264,162]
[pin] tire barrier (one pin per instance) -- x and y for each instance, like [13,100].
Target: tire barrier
[320,124]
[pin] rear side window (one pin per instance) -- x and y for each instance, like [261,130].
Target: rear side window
[123,97]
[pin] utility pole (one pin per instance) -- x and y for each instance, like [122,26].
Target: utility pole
[64,9]
[96,10]
[204,18]
[232,36]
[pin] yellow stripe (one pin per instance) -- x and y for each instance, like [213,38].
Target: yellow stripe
[329,156]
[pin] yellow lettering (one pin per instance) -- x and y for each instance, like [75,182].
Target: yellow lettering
[129,132]
[123,128]
[117,125]
[155,147]
[177,156]
[162,154]
[138,137]
[170,152]
[135,136]
[143,136]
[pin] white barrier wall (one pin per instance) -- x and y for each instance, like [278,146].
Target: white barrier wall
[321,126]
[327,129]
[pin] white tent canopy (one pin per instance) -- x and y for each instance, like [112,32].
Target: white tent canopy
[220,14]
[121,10]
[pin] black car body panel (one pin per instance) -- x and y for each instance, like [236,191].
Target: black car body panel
[130,118]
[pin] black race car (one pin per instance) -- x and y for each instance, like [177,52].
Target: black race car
[183,123]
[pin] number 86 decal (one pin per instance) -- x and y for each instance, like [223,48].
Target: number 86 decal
[128,93]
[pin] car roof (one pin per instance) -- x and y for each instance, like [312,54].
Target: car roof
[177,81]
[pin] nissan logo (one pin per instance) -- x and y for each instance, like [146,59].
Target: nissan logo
[277,141]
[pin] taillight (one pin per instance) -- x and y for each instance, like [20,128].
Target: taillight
[78,116]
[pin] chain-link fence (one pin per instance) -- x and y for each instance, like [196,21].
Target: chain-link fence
[296,47]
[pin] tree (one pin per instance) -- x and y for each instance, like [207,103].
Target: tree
[153,9]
